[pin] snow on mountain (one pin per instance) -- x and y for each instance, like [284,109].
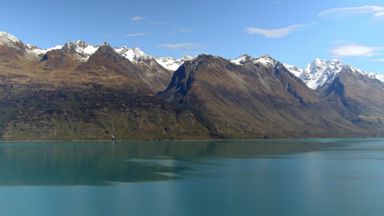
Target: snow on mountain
[241,60]
[83,51]
[34,50]
[31,52]
[7,39]
[265,60]
[81,48]
[317,74]
[322,72]
[380,76]
[294,70]
[135,55]
[172,64]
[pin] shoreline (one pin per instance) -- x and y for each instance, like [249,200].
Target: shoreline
[203,140]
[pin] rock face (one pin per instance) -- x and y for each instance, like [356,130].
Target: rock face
[80,91]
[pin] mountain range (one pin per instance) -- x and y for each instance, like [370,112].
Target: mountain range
[81,91]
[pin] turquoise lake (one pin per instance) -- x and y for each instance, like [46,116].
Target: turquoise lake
[300,177]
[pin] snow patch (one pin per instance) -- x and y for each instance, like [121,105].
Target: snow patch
[82,49]
[294,70]
[265,60]
[241,60]
[320,72]
[172,64]
[33,50]
[380,77]
[135,55]
[9,40]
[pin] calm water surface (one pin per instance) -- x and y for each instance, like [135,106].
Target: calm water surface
[272,177]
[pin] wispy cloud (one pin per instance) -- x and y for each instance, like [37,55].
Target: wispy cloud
[137,18]
[355,50]
[274,33]
[136,34]
[376,11]
[181,46]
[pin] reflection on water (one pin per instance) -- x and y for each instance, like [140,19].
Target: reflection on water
[102,163]
[317,177]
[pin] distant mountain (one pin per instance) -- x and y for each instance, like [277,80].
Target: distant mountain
[320,73]
[357,96]
[82,91]
[172,64]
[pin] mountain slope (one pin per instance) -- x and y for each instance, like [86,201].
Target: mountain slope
[64,96]
[258,98]
[80,91]
[357,97]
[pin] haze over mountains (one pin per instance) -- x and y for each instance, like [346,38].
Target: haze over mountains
[81,91]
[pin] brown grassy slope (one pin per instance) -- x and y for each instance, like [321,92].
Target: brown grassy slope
[252,100]
[358,98]
[63,98]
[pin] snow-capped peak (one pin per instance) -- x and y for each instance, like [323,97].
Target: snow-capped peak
[135,55]
[241,59]
[172,64]
[81,48]
[265,60]
[320,72]
[31,52]
[7,39]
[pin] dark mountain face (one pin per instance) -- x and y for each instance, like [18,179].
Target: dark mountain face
[59,59]
[156,77]
[358,98]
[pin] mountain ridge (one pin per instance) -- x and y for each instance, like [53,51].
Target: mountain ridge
[81,91]
[309,75]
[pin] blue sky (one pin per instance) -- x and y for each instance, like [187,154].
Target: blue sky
[292,31]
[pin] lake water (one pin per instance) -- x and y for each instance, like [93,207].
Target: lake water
[235,178]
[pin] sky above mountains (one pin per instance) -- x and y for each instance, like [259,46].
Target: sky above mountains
[292,31]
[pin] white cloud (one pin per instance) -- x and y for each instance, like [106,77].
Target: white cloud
[181,46]
[355,50]
[136,34]
[137,18]
[274,33]
[376,11]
